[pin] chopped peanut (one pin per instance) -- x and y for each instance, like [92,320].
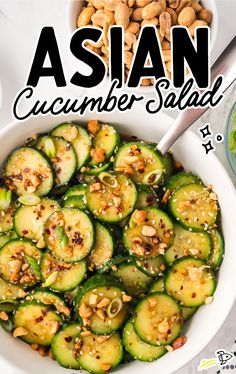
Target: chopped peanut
[93,299]
[139,216]
[166,197]
[4,316]
[95,187]
[85,311]
[213,196]
[106,367]
[126,298]
[169,348]
[85,333]
[42,351]
[98,155]
[20,331]
[41,243]
[209,300]
[163,326]
[148,231]
[103,303]
[178,343]
[117,201]
[152,301]
[138,249]
[195,274]
[93,127]
[100,314]
[34,347]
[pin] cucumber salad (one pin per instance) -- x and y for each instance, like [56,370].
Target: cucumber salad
[106,247]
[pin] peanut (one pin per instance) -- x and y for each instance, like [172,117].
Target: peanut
[133,27]
[205,15]
[85,16]
[20,331]
[173,16]
[183,4]
[98,4]
[122,15]
[151,10]
[186,16]
[142,3]
[165,24]
[111,4]
[178,343]
[128,57]
[152,21]
[196,6]
[99,19]
[137,14]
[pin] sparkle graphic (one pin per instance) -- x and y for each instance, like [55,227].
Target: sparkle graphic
[209,147]
[205,131]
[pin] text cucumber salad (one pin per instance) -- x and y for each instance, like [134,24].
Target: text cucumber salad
[106,247]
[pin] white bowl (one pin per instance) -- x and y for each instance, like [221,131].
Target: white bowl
[209,319]
[75,7]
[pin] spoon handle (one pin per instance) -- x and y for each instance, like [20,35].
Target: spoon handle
[225,65]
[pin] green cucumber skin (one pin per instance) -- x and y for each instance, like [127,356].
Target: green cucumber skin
[175,181]
[44,156]
[217,264]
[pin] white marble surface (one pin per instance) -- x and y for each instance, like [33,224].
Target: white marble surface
[20,24]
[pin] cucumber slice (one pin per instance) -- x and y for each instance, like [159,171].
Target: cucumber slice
[67,275]
[97,289]
[157,286]
[29,220]
[28,170]
[14,258]
[146,197]
[112,263]
[106,140]
[63,159]
[188,243]
[112,198]
[141,162]
[49,298]
[7,209]
[10,292]
[93,170]
[194,207]
[69,234]
[63,349]
[106,353]
[5,237]
[152,267]
[188,312]
[138,349]
[179,180]
[190,281]
[158,319]
[103,249]
[134,280]
[148,234]
[75,197]
[40,320]
[217,254]
[168,163]
[78,137]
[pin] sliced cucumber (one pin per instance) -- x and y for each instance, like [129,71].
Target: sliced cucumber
[78,137]
[101,300]
[179,180]
[29,220]
[10,292]
[63,346]
[146,197]
[112,198]
[28,170]
[15,264]
[112,263]
[104,247]
[106,141]
[188,312]
[75,197]
[63,158]
[194,207]
[7,209]
[93,170]
[69,234]
[5,237]
[141,162]
[134,280]
[61,276]
[157,286]
[40,320]
[217,254]
[138,349]
[148,234]
[190,281]
[100,353]
[49,298]
[153,267]
[188,243]
[158,319]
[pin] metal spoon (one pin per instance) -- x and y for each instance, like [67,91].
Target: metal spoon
[225,65]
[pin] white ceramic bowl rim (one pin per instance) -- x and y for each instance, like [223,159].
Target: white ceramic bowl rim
[209,319]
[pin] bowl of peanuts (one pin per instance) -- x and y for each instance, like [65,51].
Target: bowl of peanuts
[133,15]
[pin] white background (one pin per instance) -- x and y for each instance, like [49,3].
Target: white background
[20,25]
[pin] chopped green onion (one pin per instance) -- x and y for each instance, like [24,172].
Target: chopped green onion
[7,325]
[34,265]
[153,177]
[62,237]
[114,307]
[5,199]
[132,224]
[108,179]
[29,199]
[8,306]
[51,279]
[50,148]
